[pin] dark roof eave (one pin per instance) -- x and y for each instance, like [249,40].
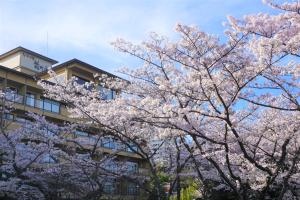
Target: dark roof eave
[74,60]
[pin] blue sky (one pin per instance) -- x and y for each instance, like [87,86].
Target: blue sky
[83,29]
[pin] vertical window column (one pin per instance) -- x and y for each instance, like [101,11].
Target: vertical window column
[30,99]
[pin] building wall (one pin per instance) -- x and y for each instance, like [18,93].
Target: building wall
[25,84]
[11,61]
[33,63]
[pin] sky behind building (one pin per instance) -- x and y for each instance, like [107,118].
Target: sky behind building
[64,29]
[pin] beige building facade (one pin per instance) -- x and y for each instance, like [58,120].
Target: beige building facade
[20,69]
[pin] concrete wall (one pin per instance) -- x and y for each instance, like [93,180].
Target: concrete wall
[33,63]
[11,61]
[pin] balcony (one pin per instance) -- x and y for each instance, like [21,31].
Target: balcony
[43,104]
[90,140]
[85,138]
[115,187]
[111,143]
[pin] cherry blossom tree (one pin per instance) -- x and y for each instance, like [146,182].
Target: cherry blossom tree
[89,109]
[238,101]
[233,105]
[41,160]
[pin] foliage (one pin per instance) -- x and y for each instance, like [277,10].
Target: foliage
[225,113]
[39,161]
[188,193]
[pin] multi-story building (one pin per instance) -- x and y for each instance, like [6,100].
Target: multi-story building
[20,69]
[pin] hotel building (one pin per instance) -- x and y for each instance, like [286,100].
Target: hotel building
[20,69]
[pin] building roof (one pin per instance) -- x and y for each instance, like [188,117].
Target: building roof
[76,61]
[18,49]
[57,67]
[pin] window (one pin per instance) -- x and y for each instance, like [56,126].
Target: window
[133,148]
[108,187]
[120,146]
[79,133]
[112,143]
[8,116]
[109,143]
[12,95]
[132,189]
[84,138]
[12,90]
[18,98]
[107,94]
[82,81]
[55,107]
[50,105]
[112,167]
[30,100]
[132,167]
[9,96]
[47,105]
[84,156]
[47,159]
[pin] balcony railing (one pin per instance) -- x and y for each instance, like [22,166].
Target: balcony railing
[43,104]
[117,145]
[16,98]
[104,142]
[85,138]
[131,189]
